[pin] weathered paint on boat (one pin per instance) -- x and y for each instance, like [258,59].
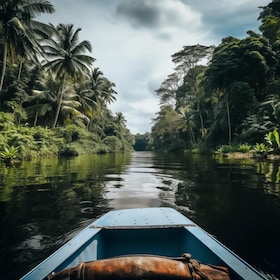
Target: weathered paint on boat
[156,231]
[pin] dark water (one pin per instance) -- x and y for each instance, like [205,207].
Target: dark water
[44,203]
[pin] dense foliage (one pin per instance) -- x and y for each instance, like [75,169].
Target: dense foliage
[51,95]
[223,95]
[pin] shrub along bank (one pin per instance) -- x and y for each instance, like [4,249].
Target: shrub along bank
[20,142]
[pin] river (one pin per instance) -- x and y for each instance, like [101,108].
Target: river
[45,202]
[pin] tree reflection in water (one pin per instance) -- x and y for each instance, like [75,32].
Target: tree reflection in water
[46,202]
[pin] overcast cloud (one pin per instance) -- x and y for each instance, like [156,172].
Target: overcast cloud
[133,41]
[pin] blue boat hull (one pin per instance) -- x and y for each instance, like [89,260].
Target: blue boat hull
[155,231]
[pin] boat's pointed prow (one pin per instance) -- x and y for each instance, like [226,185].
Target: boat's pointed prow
[146,231]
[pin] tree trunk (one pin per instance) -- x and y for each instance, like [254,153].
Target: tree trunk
[4,64]
[20,69]
[36,117]
[201,124]
[192,137]
[229,122]
[60,102]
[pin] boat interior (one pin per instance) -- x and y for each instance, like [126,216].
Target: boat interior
[170,242]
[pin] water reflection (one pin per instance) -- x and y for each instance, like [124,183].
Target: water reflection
[44,203]
[140,185]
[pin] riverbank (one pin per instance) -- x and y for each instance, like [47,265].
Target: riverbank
[25,143]
[251,155]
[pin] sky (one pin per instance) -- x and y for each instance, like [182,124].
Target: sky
[133,41]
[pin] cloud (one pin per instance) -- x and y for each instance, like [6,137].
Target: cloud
[158,15]
[145,106]
[228,17]
[140,13]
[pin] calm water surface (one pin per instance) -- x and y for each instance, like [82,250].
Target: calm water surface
[44,203]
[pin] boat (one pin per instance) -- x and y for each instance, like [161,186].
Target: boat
[161,233]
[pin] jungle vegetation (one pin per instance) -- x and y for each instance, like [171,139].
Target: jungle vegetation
[52,98]
[54,101]
[226,95]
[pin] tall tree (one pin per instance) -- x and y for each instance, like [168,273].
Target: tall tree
[43,99]
[95,92]
[182,90]
[165,130]
[249,61]
[189,57]
[67,58]
[16,20]
[186,123]
[167,91]
[270,28]
[86,98]
[120,121]
[271,9]
[101,87]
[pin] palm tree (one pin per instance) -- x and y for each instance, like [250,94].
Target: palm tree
[96,80]
[85,96]
[16,22]
[72,109]
[102,87]
[107,91]
[43,99]
[120,120]
[67,58]
[120,123]
[97,93]
[186,122]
